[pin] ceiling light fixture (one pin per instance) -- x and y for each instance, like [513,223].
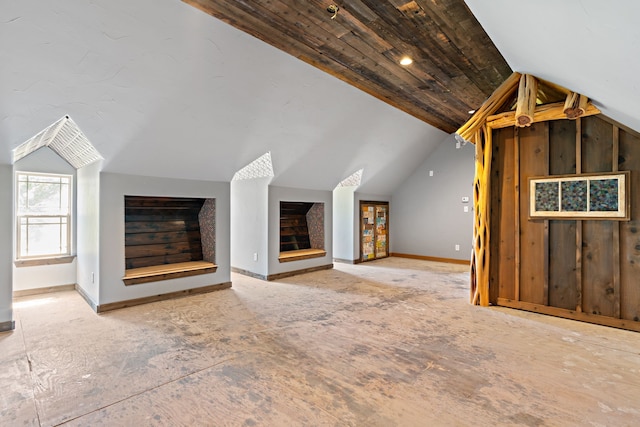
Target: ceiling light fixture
[332,8]
[406,60]
[472,111]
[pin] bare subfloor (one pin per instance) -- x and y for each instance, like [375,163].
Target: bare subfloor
[388,343]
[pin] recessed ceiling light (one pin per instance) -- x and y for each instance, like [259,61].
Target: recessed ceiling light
[406,60]
[472,111]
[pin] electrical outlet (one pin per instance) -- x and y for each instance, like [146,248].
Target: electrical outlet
[93,277]
[457,247]
[255,256]
[465,208]
[430,173]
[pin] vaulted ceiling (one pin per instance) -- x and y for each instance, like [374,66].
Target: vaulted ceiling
[162,89]
[455,65]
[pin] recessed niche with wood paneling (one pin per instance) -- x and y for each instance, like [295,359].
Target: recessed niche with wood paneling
[168,237]
[301,231]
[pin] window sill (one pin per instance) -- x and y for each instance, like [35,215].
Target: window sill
[44,261]
[155,273]
[301,254]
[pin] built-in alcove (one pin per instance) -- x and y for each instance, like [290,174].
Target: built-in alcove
[301,231]
[168,237]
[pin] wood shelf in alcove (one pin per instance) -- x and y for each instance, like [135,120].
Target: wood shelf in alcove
[155,273]
[301,254]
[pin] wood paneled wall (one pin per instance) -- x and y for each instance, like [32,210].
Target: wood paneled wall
[582,269]
[161,230]
[294,230]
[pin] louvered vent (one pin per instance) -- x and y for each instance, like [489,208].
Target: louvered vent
[66,139]
[259,168]
[353,180]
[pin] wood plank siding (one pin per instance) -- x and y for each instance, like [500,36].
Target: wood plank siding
[586,270]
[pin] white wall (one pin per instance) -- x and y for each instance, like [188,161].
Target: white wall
[343,213]
[44,160]
[88,220]
[44,276]
[427,217]
[113,188]
[286,194]
[249,202]
[6,243]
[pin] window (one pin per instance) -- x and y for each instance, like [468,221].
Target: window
[43,215]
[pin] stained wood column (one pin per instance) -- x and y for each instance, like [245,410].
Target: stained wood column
[481,201]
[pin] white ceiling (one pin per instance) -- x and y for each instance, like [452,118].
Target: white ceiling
[162,89]
[589,46]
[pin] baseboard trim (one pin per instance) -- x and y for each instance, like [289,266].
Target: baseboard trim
[248,273]
[47,290]
[571,314]
[101,308]
[7,326]
[277,276]
[87,299]
[347,261]
[432,258]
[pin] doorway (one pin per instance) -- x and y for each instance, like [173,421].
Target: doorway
[374,230]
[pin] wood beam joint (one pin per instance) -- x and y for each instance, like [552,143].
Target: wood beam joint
[575,105]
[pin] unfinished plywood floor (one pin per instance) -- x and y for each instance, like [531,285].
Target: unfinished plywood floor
[388,343]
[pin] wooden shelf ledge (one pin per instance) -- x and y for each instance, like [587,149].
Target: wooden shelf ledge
[155,273]
[301,254]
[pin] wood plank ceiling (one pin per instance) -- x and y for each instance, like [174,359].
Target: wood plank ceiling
[455,65]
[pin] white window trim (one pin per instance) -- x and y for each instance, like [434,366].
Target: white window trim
[18,217]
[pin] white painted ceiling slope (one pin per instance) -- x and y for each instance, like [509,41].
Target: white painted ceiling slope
[162,89]
[589,46]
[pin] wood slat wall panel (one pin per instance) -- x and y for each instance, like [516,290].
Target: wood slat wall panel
[533,145]
[156,238]
[597,145]
[294,231]
[187,215]
[598,292]
[502,274]
[161,230]
[598,296]
[163,202]
[563,290]
[164,226]
[158,260]
[591,266]
[142,251]
[629,148]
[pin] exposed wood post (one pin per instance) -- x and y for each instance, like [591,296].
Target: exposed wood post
[481,201]
[527,95]
[575,105]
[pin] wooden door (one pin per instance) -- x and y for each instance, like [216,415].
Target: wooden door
[374,230]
